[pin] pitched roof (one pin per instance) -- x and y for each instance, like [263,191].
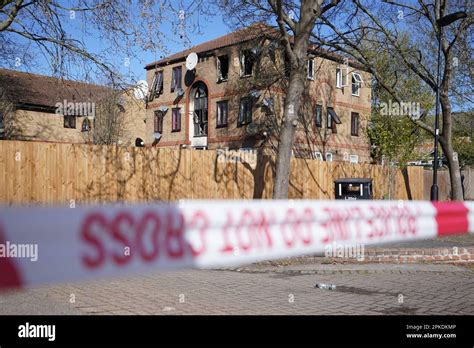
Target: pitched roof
[245,34]
[251,32]
[29,89]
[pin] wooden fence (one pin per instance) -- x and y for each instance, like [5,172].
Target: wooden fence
[47,173]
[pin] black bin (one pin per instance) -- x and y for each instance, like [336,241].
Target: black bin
[353,188]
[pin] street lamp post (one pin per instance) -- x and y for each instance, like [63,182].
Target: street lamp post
[442,22]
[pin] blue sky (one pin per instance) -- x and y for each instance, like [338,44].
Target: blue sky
[130,65]
[210,29]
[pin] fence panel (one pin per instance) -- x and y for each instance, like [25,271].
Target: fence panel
[43,173]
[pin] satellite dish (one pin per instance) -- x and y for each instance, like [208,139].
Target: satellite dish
[157,135]
[179,92]
[163,108]
[268,102]
[254,93]
[141,89]
[191,61]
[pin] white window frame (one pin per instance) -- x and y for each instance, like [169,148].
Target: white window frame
[341,77]
[310,72]
[358,81]
[354,159]
[329,157]
[318,155]
[338,78]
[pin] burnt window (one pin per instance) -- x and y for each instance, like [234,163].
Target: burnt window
[245,111]
[222,113]
[176,78]
[200,111]
[355,124]
[319,116]
[222,67]
[158,122]
[247,61]
[176,120]
[69,121]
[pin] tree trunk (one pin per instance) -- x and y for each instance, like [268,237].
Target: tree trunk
[287,132]
[297,53]
[454,170]
[446,141]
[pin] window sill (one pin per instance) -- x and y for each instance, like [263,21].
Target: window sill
[222,126]
[200,136]
[176,130]
[355,95]
[222,80]
[246,76]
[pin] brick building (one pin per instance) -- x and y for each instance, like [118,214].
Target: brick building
[43,108]
[234,97]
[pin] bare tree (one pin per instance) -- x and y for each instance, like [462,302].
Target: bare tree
[109,120]
[408,30]
[59,31]
[295,22]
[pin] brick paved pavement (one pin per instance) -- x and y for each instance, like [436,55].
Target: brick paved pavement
[263,289]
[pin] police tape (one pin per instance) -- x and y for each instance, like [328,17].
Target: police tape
[93,242]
